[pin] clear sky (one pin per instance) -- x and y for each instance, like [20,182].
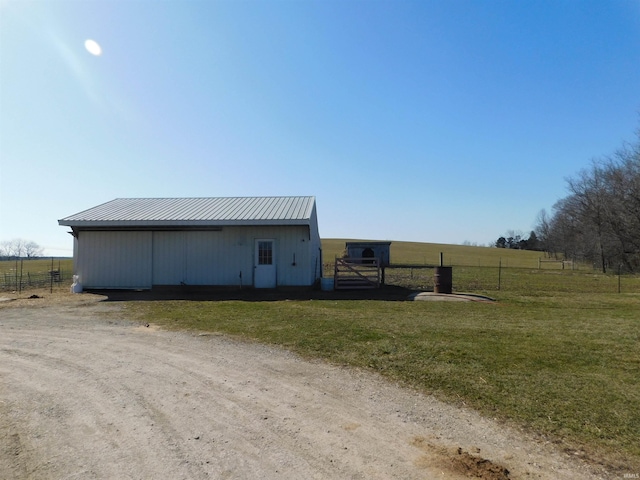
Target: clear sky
[443,121]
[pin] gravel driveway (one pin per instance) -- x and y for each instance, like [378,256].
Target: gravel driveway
[85,393]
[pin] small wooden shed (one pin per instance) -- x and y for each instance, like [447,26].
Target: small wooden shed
[379,250]
[139,243]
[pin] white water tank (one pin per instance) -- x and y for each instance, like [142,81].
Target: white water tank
[326,284]
[76,287]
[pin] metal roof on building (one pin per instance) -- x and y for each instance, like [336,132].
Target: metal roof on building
[215,211]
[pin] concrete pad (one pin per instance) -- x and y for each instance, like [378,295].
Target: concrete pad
[449,297]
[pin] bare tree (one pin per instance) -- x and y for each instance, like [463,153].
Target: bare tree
[543,231]
[5,249]
[622,176]
[600,219]
[32,250]
[19,248]
[589,192]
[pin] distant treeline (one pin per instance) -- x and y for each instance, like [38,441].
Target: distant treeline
[517,241]
[19,248]
[599,221]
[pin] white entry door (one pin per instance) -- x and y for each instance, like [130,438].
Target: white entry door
[265,264]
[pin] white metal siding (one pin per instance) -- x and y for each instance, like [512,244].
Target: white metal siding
[315,248]
[216,258]
[141,259]
[169,255]
[292,253]
[221,257]
[114,259]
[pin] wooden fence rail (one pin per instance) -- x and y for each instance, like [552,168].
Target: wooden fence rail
[356,273]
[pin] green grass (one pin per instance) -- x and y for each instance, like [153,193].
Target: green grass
[36,265]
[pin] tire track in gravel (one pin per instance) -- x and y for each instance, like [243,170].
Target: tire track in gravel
[86,395]
[71,410]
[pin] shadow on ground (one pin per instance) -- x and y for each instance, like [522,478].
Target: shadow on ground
[386,293]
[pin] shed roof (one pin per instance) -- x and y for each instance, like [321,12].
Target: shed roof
[194,212]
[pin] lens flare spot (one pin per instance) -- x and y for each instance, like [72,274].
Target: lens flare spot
[93,47]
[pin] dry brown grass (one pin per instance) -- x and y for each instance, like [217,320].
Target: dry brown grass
[43,297]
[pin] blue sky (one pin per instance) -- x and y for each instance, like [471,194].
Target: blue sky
[444,121]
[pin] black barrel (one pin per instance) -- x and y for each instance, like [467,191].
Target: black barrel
[443,280]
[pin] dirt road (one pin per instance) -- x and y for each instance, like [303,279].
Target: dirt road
[85,393]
